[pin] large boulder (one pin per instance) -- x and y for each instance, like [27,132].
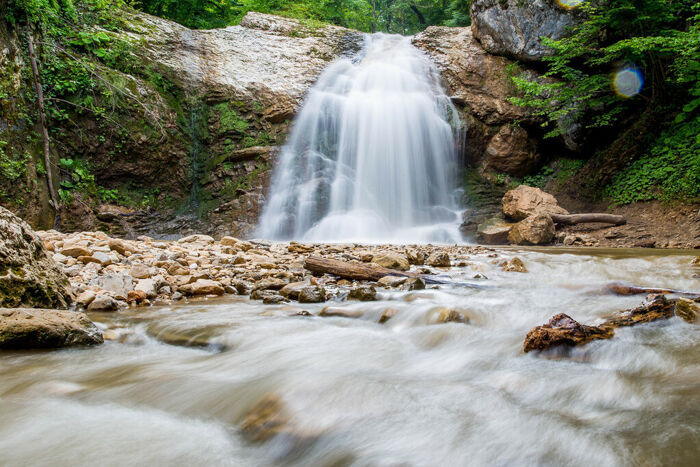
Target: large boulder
[515,28]
[526,201]
[45,329]
[493,231]
[29,277]
[391,260]
[535,230]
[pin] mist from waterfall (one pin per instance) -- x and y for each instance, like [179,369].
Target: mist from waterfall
[371,156]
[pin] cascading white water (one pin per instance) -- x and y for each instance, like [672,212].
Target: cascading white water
[372,155]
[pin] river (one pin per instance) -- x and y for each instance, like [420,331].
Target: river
[362,393]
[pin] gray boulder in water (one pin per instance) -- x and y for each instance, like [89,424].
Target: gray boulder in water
[515,28]
[29,277]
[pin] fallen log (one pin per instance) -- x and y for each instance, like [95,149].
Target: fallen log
[368,272]
[571,219]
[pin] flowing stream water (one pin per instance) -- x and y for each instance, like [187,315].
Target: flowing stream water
[362,393]
[372,155]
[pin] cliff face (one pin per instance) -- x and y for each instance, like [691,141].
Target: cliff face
[192,136]
[187,141]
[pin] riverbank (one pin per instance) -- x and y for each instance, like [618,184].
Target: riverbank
[109,274]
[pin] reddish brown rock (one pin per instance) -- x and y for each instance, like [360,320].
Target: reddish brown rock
[563,330]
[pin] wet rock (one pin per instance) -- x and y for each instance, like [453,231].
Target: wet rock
[269,418]
[653,308]
[312,294]
[387,315]
[514,265]
[270,284]
[40,329]
[525,201]
[339,312]
[537,229]
[86,298]
[562,330]
[687,309]
[415,283]
[391,260]
[479,276]
[446,315]
[230,241]
[203,287]
[136,296]
[28,275]
[293,289]
[273,299]
[515,28]
[438,259]
[363,293]
[494,231]
[103,303]
[147,286]
[392,281]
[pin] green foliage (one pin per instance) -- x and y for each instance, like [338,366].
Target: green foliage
[82,180]
[540,179]
[229,120]
[396,16]
[669,171]
[10,168]
[658,38]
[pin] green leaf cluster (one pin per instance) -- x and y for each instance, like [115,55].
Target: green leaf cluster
[669,171]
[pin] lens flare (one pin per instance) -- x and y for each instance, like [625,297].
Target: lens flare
[569,4]
[628,82]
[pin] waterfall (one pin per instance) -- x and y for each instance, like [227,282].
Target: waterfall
[372,154]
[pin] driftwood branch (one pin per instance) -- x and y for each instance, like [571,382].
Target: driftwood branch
[351,271]
[618,288]
[571,219]
[369,272]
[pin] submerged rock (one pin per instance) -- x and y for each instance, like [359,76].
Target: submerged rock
[514,265]
[340,312]
[687,309]
[387,315]
[446,315]
[28,274]
[43,329]
[312,294]
[365,293]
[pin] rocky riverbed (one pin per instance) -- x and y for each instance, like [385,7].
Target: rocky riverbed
[109,274]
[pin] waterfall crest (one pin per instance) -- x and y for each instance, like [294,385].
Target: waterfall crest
[371,156]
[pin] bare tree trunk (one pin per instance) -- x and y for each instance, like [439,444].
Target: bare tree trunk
[421,18]
[43,125]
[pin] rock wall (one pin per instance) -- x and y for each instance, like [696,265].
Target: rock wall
[515,28]
[498,137]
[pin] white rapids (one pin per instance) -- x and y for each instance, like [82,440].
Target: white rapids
[372,155]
